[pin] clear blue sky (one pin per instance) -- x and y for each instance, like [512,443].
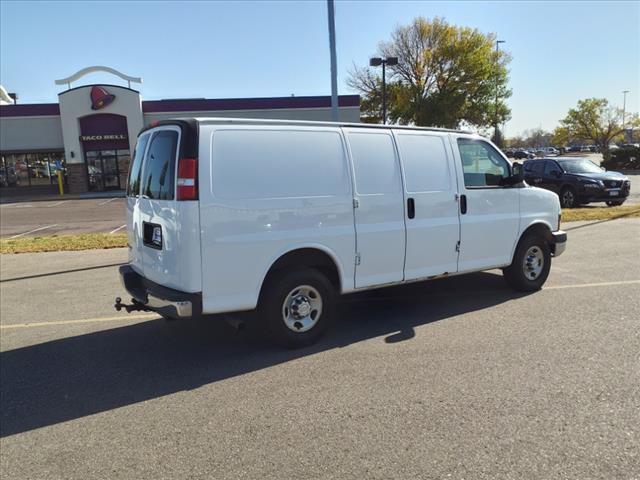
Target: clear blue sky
[562,51]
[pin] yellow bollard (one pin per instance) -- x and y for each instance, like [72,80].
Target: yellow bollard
[60,187]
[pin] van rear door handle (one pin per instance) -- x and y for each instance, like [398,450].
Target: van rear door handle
[463,204]
[411,208]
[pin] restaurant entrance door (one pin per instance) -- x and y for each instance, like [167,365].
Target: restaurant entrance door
[103,169]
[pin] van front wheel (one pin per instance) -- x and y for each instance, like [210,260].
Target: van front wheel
[531,264]
[297,307]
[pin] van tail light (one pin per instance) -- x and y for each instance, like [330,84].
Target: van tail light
[187,179]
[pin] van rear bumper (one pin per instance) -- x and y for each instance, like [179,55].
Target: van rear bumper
[157,298]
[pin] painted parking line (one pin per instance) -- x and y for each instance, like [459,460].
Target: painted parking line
[34,230]
[144,316]
[107,201]
[17,206]
[590,285]
[56,204]
[117,229]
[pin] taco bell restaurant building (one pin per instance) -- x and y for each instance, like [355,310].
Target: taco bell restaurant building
[91,132]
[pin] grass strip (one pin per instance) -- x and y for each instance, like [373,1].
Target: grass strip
[600,213]
[61,243]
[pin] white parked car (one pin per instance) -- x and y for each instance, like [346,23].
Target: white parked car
[227,215]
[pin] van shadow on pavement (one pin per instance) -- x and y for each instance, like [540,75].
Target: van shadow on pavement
[74,377]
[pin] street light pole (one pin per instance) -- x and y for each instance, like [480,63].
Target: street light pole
[495,115]
[376,62]
[384,93]
[334,62]
[624,111]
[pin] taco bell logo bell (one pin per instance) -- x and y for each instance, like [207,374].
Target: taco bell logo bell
[100,98]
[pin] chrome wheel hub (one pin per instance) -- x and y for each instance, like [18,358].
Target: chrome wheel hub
[302,308]
[533,263]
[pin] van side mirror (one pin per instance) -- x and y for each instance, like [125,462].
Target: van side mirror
[516,168]
[517,172]
[516,175]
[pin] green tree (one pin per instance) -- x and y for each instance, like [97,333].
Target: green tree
[446,76]
[560,136]
[594,119]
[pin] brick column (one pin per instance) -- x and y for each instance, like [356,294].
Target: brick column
[77,178]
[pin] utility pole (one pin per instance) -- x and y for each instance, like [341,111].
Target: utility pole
[495,120]
[334,61]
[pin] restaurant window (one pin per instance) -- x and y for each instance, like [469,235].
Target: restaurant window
[31,169]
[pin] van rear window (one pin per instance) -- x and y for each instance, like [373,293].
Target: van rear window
[160,165]
[133,184]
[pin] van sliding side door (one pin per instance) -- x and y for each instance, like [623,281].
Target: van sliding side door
[431,207]
[378,207]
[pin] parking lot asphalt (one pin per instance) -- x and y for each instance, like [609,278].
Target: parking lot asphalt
[97,215]
[454,378]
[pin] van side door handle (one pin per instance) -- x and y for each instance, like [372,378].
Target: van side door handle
[411,208]
[463,204]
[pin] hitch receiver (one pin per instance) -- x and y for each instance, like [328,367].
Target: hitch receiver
[135,306]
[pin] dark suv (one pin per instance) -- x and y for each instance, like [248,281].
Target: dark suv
[577,181]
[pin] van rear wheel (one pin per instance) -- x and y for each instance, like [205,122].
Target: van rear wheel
[531,264]
[297,307]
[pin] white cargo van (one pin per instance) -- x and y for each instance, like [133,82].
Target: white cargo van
[227,215]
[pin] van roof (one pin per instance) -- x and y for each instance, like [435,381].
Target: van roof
[266,121]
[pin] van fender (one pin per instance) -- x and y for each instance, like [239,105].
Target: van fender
[346,284]
[533,224]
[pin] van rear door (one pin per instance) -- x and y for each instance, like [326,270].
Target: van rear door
[168,232]
[132,208]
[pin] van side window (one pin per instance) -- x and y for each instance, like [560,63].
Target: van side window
[283,164]
[374,163]
[482,165]
[133,183]
[159,166]
[426,167]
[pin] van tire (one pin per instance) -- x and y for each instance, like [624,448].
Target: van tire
[286,290]
[531,264]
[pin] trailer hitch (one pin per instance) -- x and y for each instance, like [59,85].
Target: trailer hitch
[135,306]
